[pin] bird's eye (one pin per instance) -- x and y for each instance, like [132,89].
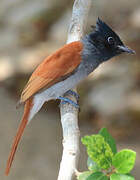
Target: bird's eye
[111,40]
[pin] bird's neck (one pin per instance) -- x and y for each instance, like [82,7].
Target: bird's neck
[90,55]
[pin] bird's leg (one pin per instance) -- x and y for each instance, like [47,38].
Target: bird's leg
[73,93]
[67,100]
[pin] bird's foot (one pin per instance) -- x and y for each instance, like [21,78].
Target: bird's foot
[73,93]
[65,100]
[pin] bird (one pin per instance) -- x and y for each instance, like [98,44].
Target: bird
[63,70]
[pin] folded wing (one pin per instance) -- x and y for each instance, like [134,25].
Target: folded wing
[53,69]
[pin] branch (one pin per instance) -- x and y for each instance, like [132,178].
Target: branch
[69,114]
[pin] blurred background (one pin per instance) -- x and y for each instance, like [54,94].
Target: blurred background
[29,31]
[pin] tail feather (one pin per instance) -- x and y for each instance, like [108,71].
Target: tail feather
[28,107]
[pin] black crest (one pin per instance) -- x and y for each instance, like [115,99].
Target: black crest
[104,30]
[103,43]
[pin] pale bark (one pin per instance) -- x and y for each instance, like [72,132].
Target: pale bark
[69,114]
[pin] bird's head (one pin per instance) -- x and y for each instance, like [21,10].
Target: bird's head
[107,42]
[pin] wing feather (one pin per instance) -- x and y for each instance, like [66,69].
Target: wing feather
[54,68]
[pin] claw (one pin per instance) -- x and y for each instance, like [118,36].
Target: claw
[73,93]
[67,100]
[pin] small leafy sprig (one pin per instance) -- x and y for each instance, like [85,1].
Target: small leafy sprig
[104,162]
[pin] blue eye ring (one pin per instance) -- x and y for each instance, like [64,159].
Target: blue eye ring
[111,40]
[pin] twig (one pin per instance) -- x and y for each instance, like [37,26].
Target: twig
[69,114]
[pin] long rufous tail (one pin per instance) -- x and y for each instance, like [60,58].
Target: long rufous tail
[27,108]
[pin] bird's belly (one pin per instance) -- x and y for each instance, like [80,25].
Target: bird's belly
[61,87]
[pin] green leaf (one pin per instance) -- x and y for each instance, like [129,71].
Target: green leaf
[84,175]
[116,176]
[92,166]
[124,161]
[109,139]
[97,176]
[98,150]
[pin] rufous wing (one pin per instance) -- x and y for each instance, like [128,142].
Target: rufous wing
[53,69]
